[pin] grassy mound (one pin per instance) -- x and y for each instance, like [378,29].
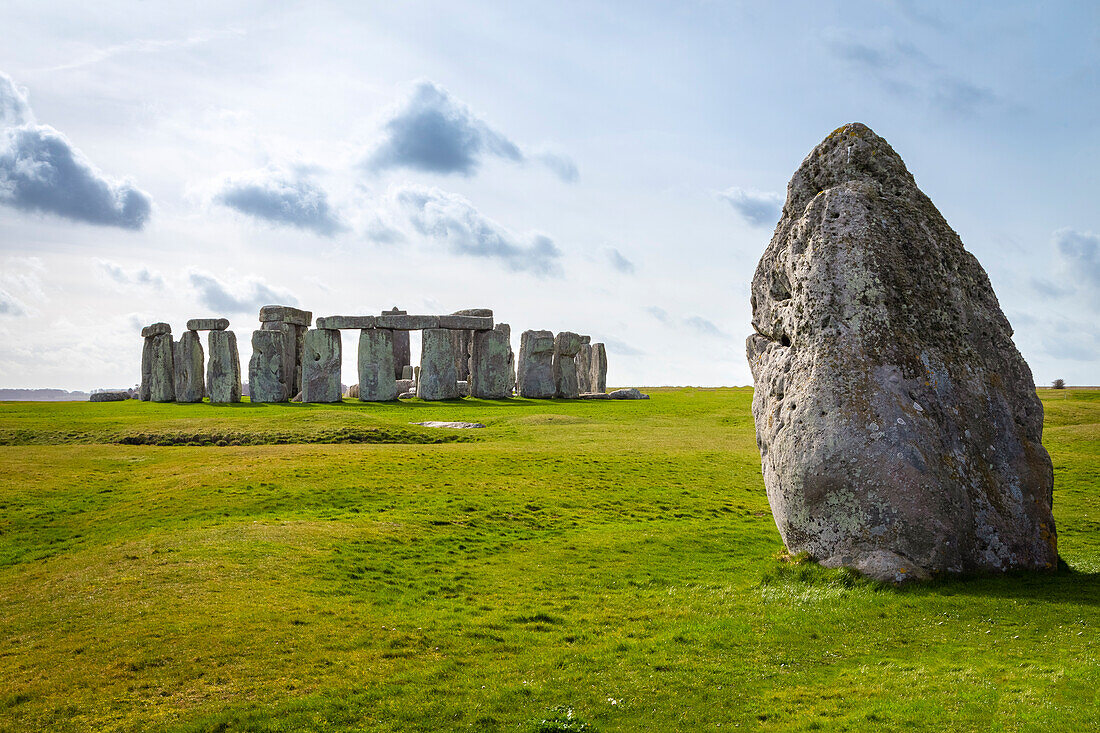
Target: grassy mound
[595,566]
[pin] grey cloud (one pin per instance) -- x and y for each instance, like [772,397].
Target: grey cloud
[904,70]
[1049,289]
[619,262]
[221,298]
[1081,253]
[659,313]
[41,171]
[758,208]
[141,276]
[281,197]
[10,305]
[615,347]
[703,326]
[452,220]
[435,133]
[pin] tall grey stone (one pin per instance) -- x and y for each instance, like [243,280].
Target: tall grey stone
[564,365]
[223,369]
[402,355]
[293,350]
[189,367]
[460,346]
[437,380]
[162,373]
[490,373]
[584,367]
[597,381]
[321,366]
[899,429]
[376,371]
[145,389]
[265,369]
[535,379]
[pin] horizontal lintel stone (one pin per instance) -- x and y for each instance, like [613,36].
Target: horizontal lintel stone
[339,322]
[407,323]
[285,314]
[155,329]
[208,324]
[467,323]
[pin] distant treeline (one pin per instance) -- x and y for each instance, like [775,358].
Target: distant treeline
[43,395]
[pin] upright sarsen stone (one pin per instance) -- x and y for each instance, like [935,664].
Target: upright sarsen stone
[536,365]
[376,371]
[899,429]
[265,369]
[564,366]
[490,361]
[189,368]
[162,373]
[597,380]
[584,365]
[145,389]
[223,370]
[321,366]
[437,380]
[402,354]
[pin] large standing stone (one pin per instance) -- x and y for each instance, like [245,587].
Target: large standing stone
[376,372]
[536,365]
[265,369]
[162,373]
[293,349]
[566,346]
[321,366]
[490,374]
[597,381]
[190,369]
[899,429]
[145,388]
[402,354]
[223,370]
[437,379]
[584,366]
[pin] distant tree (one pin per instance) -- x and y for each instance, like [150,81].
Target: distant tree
[1058,384]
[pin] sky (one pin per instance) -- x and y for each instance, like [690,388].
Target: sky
[614,169]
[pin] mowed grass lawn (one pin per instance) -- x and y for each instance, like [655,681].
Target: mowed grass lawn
[600,566]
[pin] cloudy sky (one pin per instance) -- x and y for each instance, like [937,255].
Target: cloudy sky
[610,168]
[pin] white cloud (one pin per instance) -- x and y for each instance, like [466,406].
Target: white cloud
[246,296]
[759,208]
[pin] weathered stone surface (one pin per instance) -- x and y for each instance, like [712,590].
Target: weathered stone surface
[597,382]
[156,329]
[479,312]
[208,324]
[631,393]
[266,380]
[437,379]
[584,367]
[407,323]
[223,368]
[406,395]
[898,425]
[347,322]
[468,323]
[285,314]
[353,392]
[405,385]
[146,385]
[461,343]
[376,380]
[407,371]
[402,354]
[536,365]
[321,366]
[453,425]
[294,338]
[189,367]
[108,396]
[586,340]
[564,365]
[595,396]
[162,373]
[491,361]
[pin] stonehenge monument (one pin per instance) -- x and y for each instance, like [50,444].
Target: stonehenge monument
[463,354]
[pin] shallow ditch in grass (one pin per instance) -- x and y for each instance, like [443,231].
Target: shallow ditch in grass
[220,438]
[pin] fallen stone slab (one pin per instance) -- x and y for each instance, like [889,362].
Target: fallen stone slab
[466,323]
[346,322]
[109,397]
[405,385]
[208,324]
[285,314]
[156,329]
[631,393]
[406,395]
[407,323]
[455,425]
[594,396]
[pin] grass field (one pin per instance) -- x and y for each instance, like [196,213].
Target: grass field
[598,566]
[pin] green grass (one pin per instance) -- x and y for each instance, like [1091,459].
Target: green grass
[596,566]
